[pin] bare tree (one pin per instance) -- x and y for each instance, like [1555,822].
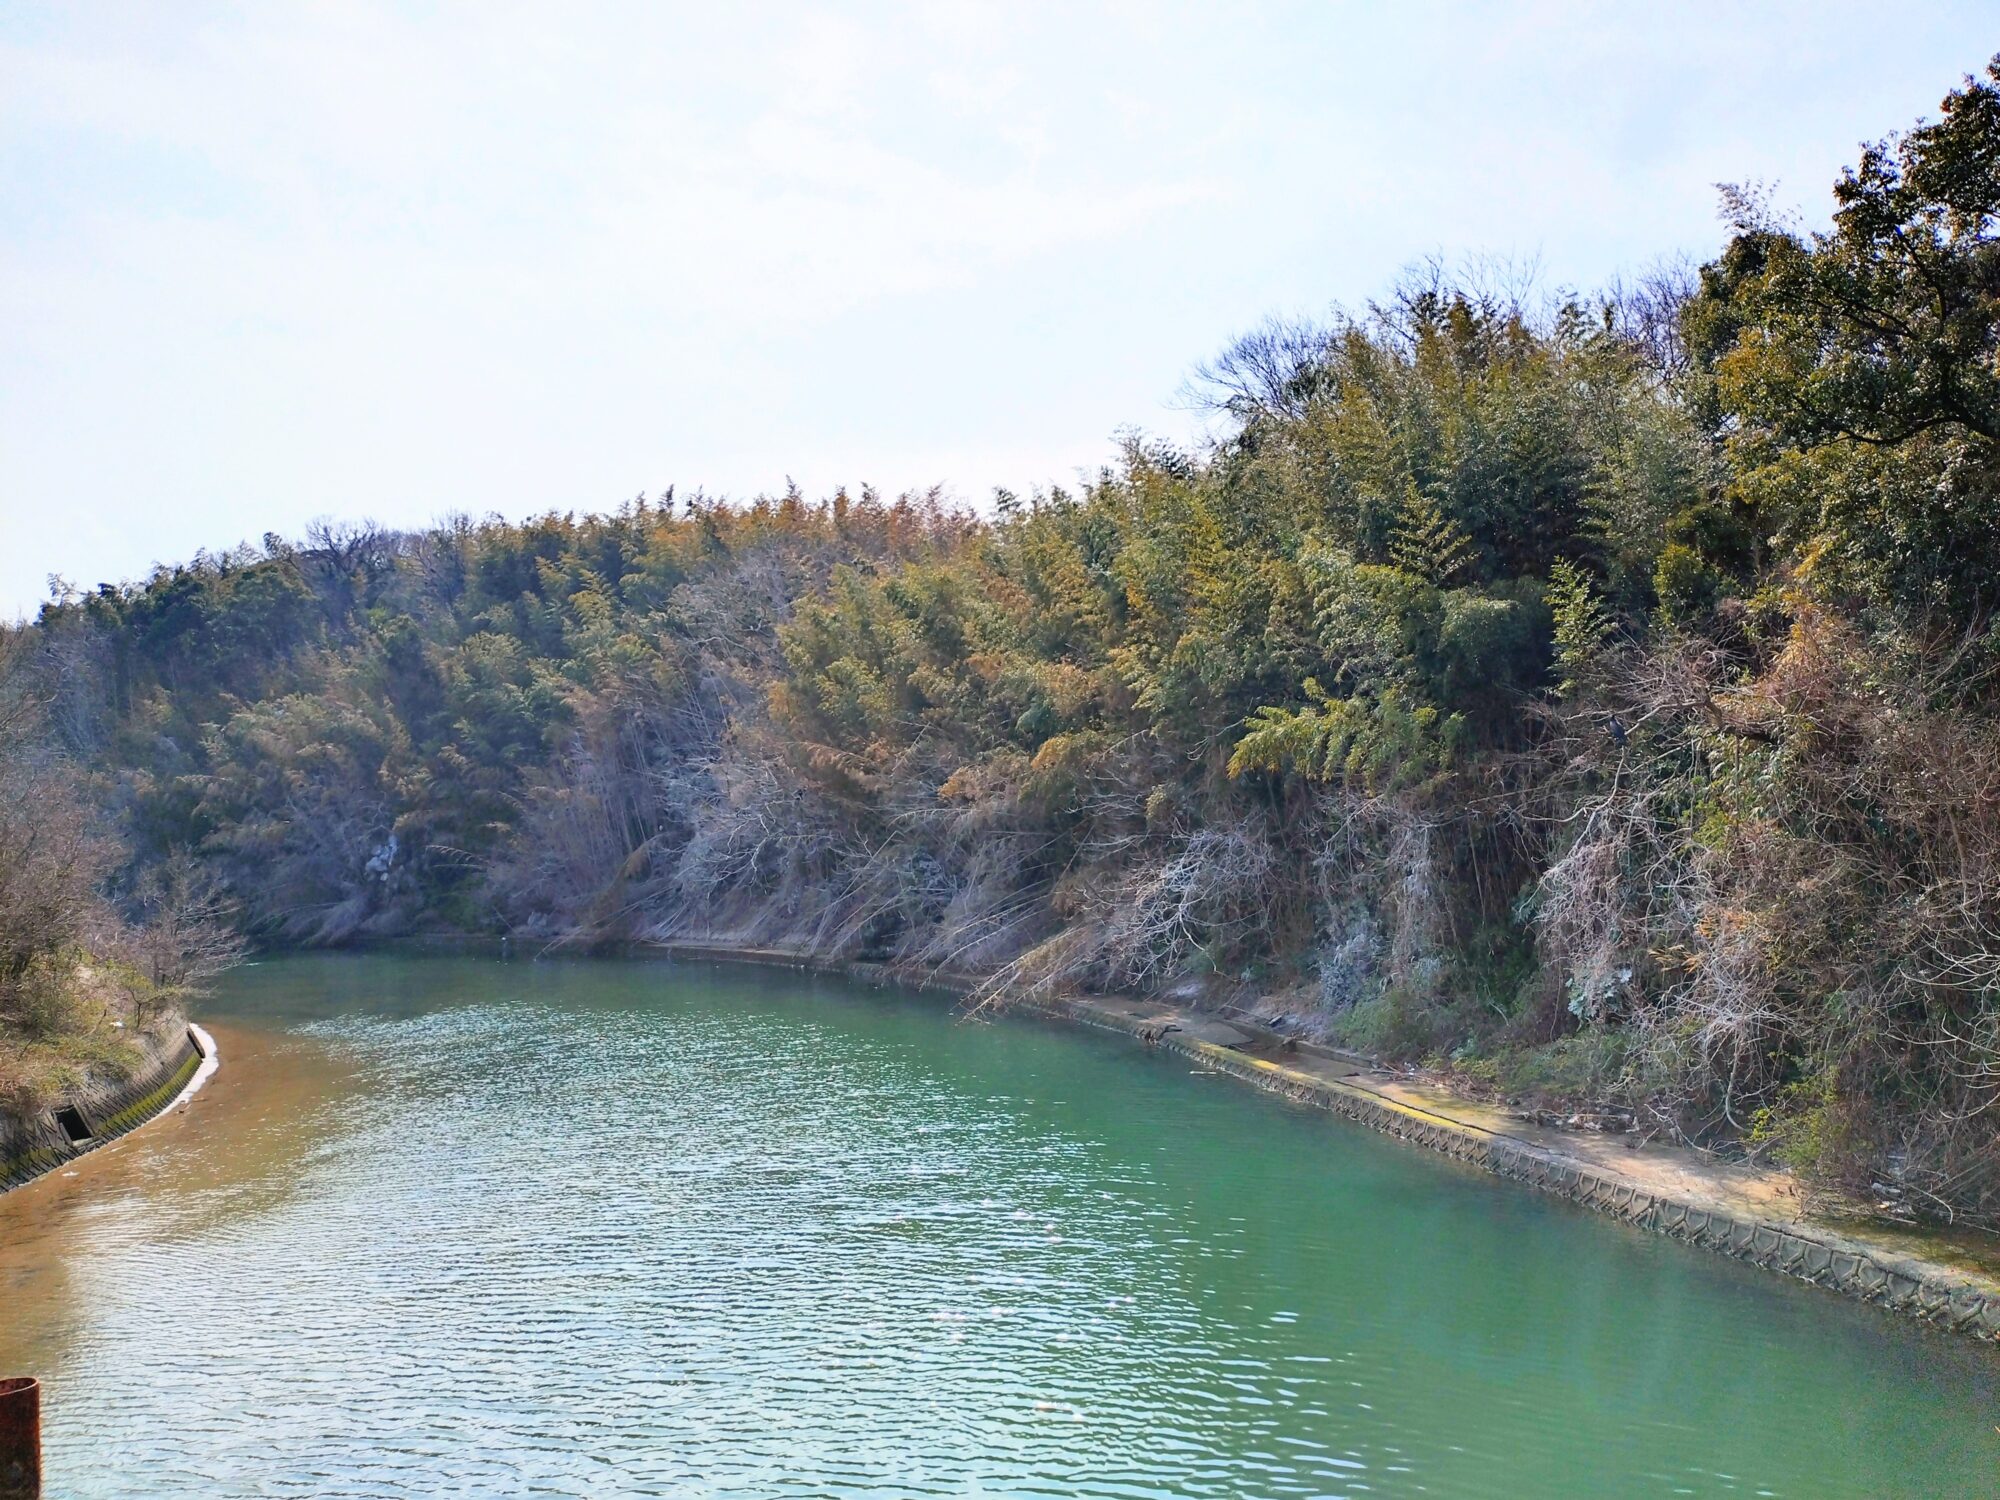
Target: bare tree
[185,937]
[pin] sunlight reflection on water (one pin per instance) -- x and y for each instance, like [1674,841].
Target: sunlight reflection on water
[449,1226]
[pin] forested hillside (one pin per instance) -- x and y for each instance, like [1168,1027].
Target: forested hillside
[1593,696]
[91,981]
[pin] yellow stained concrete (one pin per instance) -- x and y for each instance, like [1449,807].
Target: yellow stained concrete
[1755,1213]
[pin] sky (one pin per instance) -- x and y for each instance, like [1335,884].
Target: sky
[266,263]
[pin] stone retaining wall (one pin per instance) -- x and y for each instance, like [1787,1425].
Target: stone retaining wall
[1918,1288]
[32,1145]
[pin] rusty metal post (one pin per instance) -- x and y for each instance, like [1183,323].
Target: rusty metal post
[20,1439]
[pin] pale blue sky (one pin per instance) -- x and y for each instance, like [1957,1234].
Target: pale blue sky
[260,263]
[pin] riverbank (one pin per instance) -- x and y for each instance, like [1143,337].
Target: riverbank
[769,1228]
[98,1113]
[1753,1214]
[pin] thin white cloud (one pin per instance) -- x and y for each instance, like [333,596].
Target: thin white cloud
[262,262]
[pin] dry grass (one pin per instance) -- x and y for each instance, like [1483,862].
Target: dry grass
[1786,885]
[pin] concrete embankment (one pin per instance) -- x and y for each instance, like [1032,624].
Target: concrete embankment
[95,1115]
[1752,1214]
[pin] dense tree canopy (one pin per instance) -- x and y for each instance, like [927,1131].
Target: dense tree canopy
[1592,696]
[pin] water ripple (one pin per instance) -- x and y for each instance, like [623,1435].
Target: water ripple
[731,1240]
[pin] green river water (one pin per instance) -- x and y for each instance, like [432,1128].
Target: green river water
[447,1226]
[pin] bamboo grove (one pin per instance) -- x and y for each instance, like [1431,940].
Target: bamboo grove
[1592,697]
